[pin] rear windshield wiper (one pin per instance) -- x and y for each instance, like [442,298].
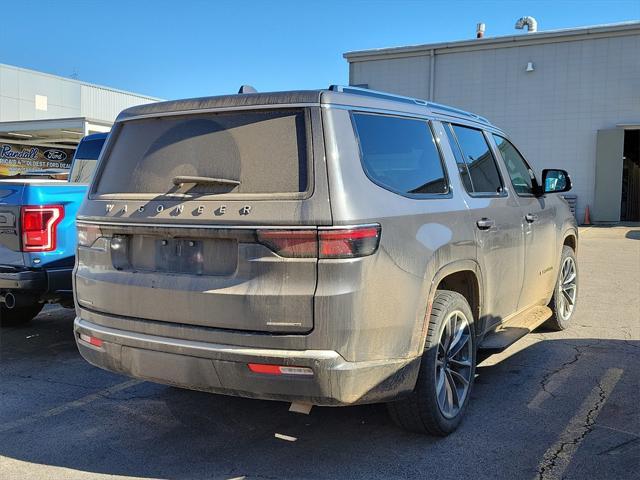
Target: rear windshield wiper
[182,179]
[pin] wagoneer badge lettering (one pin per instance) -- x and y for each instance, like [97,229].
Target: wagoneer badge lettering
[179,209]
[220,210]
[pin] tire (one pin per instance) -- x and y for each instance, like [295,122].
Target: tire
[422,411]
[18,315]
[560,302]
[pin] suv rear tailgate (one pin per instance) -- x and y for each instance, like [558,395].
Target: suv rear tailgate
[195,259]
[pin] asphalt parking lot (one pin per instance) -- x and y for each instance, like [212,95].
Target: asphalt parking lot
[555,405]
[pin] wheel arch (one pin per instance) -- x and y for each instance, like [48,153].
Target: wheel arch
[570,238]
[462,276]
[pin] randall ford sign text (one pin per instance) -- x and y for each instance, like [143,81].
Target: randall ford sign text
[15,159]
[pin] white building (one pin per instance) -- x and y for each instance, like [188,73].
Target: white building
[569,99]
[40,111]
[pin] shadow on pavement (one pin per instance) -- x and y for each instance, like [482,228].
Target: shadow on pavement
[556,398]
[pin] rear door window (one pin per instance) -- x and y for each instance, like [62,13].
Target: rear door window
[400,154]
[248,152]
[482,167]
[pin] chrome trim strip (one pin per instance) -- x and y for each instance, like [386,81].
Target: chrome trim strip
[108,223]
[113,335]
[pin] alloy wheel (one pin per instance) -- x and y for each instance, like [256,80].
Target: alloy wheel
[567,287]
[454,364]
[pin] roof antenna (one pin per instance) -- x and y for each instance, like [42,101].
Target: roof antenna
[247,89]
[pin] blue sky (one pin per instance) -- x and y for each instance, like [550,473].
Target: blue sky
[193,48]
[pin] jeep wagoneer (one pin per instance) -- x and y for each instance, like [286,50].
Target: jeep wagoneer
[327,247]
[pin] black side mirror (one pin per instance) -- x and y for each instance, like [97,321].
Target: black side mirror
[555,181]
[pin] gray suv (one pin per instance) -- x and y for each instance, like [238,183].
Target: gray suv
[327,247]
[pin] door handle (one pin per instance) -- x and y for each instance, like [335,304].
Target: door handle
[485,223]
[530,217]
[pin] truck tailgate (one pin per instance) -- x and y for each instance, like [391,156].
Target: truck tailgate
[10,200]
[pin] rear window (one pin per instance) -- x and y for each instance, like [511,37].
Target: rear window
[400,154]
[84,160]
[251,152]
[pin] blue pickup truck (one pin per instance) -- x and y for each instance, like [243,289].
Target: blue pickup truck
[38,236]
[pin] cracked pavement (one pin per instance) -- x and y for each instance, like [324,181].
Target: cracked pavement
[553,406]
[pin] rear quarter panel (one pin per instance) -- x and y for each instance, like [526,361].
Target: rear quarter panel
[70,196]
[376,305]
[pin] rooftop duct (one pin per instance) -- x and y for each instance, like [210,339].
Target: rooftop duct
[530,22]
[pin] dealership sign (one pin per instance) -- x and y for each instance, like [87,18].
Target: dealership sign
[15,159]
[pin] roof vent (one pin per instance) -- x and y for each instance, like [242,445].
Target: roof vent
[530,22]
[247,89]
[480,28]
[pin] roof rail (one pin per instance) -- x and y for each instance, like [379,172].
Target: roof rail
[436,107]
[377,94]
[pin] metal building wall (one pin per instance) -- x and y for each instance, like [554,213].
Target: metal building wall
[65,97]
[100,103]
[409,76]
[18,90]
[553,113]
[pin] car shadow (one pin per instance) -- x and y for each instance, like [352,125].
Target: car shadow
[633,234]
[58,411]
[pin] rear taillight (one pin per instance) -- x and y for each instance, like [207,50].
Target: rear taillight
[96,342]
[290,243]
[268,369]
[38,225]
[349,242]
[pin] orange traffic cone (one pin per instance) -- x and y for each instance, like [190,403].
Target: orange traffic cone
[587,217]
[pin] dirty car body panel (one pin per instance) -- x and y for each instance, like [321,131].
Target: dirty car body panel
[190,286]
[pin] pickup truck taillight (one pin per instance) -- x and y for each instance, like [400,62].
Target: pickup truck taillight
[38,225]
[351,242]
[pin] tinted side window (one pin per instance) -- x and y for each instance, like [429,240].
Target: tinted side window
[477,155]
[90,149]
[521,175]
[400,154]
[85,161]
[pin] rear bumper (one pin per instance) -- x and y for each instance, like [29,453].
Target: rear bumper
[23,280]
[223,369]
[43,281]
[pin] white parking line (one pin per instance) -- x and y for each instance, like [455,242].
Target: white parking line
[69,405]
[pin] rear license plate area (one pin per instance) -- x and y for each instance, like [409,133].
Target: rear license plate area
[177,255]
[209,256]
